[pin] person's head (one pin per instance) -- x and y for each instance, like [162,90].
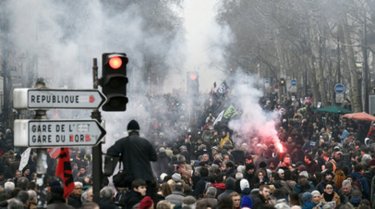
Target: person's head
[23,196]
[9,187]
[225,203]
[306,197]
[14,203]
[33,197]
[139,185]
[189,202]
[328,176]
[230,183]
[107,193]
[146,203]
[244,184]
[316,196]
[236,199]
[203,171]
[77,191]
[286,160]
[250,168]
[346,186]
[308,159]
[328,189]
[211,192]
[281,173]
[165,189]
[261,174]
[87,196]
[133,126]
[164,204]
[22,182]
[265,191]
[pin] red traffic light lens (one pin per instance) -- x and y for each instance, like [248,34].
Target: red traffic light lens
[115,62]
[193,76]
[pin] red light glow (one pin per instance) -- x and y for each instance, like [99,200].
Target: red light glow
[279,147]
[115,62]
[193,76]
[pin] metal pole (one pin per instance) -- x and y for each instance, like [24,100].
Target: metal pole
[97,161]
[41,163]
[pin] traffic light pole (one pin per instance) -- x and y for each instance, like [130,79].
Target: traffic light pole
[96,150]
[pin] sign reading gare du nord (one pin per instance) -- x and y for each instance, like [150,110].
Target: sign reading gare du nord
[51,133]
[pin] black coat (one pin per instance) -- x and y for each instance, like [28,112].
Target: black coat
[107,204]
[136,153]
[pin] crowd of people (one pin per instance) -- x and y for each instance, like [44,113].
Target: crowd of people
[326,162]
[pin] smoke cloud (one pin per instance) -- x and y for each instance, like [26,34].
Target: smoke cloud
[61,38]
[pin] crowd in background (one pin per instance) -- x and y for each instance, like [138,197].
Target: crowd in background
[327,162]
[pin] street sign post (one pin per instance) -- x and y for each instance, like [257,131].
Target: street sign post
[60,133]
[57,98]
[292,87]
[340,92]
[339,88]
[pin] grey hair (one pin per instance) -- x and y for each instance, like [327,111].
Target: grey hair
[15,204]
[84,196]
[106,193]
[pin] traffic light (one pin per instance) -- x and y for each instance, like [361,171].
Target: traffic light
[114,81]
[282,82]
[192,84]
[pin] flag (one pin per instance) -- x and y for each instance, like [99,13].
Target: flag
[223,88]
[64,171]
[54,152]
[218,118]
[230,112]
[24,159]
[225,141]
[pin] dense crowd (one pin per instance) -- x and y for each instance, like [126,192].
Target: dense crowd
[327,162]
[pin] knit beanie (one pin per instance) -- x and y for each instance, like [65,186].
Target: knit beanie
[306,196]
[145,203]
[189,201]
[211,192]
[133,125]
[244,183]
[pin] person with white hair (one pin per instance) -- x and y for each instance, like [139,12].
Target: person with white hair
[74,198]
[107,198]
[9,187]
[33,198]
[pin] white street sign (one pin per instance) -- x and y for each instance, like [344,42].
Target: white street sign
[57,98]
[61,133]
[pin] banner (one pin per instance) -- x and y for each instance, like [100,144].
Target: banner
[64,171]
[230,112]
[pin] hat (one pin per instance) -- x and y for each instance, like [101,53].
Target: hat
[250,166]
[188,200]
[162,176]
[246,202]
[133,125]
[211,192]
[145,203]
[183,148]
[337,148]
[176,177]
[301,168]
[244,183]
[280,171]
[306,196]
[315,193]
[304,174]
